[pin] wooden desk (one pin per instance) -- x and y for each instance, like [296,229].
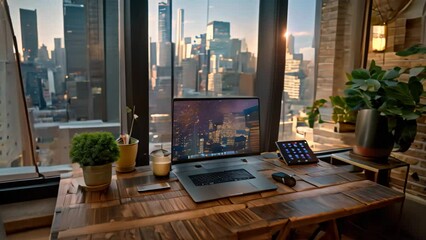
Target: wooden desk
[379,172]
[323,193]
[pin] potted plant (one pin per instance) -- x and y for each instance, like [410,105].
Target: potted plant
[388,108]
[313,112]
[343,116]
[128,147]
[95,152]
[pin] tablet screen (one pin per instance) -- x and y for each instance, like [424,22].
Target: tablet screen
[296,152]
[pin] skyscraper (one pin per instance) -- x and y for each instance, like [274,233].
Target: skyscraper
[75,37]
[164,45]
[164,22]
[218,38]
[180,44]
[218,30]
[58,58]
[29,34]
[290,44]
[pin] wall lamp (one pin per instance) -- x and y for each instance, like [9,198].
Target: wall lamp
[379,38]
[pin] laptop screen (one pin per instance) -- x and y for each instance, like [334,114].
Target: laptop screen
[206,128]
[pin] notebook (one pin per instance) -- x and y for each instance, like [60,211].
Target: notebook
[212,138]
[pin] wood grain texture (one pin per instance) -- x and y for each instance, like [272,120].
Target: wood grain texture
[322,194]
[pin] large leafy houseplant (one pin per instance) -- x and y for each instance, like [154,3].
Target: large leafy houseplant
[395,93]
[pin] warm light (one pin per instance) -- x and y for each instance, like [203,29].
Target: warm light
[286,34]
[379,38]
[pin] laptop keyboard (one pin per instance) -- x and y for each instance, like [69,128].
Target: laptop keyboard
[220,177]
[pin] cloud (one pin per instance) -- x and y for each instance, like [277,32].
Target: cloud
[299,34]
[188,21]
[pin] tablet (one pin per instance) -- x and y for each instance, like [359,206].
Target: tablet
[296,152]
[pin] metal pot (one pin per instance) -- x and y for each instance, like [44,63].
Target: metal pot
[372,138]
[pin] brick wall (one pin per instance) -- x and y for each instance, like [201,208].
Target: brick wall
[335,40]
[334,60]
[416,155]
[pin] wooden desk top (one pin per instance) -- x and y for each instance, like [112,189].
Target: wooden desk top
[323,192]
[368,164]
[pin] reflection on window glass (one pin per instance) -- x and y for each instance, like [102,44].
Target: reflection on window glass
[69,63]
[208,48]
[332,34]
[299,78]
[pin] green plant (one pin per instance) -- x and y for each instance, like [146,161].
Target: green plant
[313,113]
[94,148]
[341,111]
[393,97]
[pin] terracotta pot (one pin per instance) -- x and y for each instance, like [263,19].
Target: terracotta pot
[372,138]
[128,153]
[98,176]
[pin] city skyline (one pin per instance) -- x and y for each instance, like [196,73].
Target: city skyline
[243,24]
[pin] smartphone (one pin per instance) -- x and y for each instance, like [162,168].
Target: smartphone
[151,187]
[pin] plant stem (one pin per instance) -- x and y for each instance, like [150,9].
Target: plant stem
[131,126]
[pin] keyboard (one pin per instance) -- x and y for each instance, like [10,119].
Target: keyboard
[220,177]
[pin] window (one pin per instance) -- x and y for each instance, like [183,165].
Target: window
[69,64]
[207,48]
[322,46]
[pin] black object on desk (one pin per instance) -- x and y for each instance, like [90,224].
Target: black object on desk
[296,152]
[284,178]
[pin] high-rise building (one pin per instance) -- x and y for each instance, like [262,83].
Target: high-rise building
[218,38]
[164,45]
[218,30]
[180,44]
[91,45]
[111,60]
[75,37]
[58,58]
[29,34]
[164,22]
[96,59]
[290,44]
[292,78]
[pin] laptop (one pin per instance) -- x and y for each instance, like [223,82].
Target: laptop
[212,138]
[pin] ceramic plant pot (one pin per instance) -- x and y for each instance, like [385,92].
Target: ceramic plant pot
[97,177]
[128,153]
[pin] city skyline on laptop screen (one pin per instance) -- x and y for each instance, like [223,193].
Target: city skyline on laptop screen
[214,128]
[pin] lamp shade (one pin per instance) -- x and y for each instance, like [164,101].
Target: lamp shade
[379,38]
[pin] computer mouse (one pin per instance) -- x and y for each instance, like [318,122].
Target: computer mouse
[244,160]
[198,166]
[284,178]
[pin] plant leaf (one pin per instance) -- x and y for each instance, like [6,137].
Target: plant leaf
[416,71]
[418,48]
[416,88]
[405,132]
[391,74]
[401,92]
[360,74]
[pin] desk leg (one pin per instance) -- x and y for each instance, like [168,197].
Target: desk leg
[331,231]
[285,232]
[382,177]
[406,177]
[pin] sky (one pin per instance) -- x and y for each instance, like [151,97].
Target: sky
[242,14]
[50,20]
